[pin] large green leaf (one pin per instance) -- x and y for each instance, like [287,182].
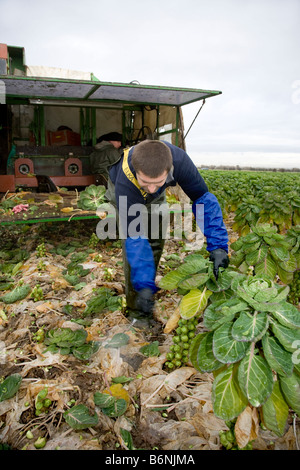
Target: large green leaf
[250,327]
[290,387]
[194,347]
[255,378]
[249,238]
[222,295]
[264,304]
[257,256]
[117,409]
[194,281]
[273,239]
[213,319]
[285,276]
[194,302]
[226,349]
[287,314]
[288,337]
[127,438]
[223,282]
[10,386]
[66,337]
[150,349]
[238,244]
[222,311]
[264,229]
[76,338]
[282,293]
[280,253]
[237,258]
[275,411]
[98,302]
[227,397]
[266,295]
[266,267]
[111,406]
[251,247]
[238,280]
[171,280]
[103,400]
[78,417]
[277,357]
[192,265]
[289,265]
[85,351]
[205,358]
[19,293]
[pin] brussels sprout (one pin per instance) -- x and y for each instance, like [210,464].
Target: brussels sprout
[40,442]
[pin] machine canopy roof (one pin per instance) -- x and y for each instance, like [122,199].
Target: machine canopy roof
[85,92]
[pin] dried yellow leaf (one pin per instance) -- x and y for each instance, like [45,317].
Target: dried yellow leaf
[60,283]
[246,427]
[173,321]
[43,308]
[117,391]
[67,209]
[56,198]
[49,203]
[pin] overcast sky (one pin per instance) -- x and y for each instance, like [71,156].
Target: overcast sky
[248,49]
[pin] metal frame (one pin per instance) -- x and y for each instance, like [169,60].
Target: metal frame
[91,94]
[72,92]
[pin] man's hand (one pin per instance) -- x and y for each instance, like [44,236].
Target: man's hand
[220,259]
[145,302]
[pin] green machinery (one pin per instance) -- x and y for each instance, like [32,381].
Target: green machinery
[49,126]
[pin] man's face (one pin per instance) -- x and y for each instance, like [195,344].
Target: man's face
[116,143]
[151,185]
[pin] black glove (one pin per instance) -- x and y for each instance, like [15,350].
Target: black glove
[145,302]
[220,259]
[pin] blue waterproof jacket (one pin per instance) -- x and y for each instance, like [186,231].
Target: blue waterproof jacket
[205,207]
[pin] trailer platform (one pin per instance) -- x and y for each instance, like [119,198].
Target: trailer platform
[42,207]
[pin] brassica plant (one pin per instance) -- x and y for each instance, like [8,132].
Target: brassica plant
[250,337]
[91,198]
[269,252]
[250,346]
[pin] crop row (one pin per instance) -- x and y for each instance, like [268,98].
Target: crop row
[257,197]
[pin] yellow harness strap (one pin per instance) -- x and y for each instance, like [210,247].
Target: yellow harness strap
[129,174]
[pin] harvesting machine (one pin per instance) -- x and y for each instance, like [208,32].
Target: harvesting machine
[50,120]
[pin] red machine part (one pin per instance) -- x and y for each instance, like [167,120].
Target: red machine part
[24,168]
[73,167]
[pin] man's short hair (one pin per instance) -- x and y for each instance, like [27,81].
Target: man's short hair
[152,158]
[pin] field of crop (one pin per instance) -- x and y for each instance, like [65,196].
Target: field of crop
[220,370]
